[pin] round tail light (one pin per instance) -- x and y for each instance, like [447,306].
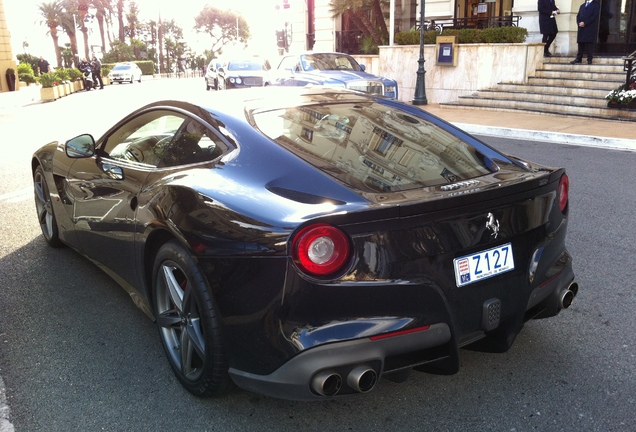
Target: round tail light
[321,249]
[564,192]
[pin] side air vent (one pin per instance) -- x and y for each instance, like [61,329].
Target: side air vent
[302,197]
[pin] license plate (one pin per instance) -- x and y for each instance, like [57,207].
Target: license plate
[483,265]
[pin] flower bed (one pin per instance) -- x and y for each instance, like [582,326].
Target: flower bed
[624,97]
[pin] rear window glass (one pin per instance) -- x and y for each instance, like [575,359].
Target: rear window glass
[373,147]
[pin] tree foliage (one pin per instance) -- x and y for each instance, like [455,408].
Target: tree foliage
[132,18]
[223,26]
[367,15]
[119,52]
[134,40]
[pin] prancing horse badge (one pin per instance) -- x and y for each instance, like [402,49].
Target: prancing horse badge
[492,224]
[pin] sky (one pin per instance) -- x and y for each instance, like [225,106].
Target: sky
[25,23]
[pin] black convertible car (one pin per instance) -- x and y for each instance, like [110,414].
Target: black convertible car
[304,242]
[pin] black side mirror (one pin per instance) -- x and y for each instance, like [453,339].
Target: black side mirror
[81,146]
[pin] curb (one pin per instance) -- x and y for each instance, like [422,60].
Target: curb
[5,424]
[555,137]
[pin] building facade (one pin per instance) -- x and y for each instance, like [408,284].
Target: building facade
[311,24]
[6,54]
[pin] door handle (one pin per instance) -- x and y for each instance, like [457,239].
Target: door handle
[113,171]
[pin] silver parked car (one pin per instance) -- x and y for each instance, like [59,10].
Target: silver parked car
[212,74]
[125,72]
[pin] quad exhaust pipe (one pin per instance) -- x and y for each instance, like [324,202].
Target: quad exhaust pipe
[361,379]
[568,294]
[326,383]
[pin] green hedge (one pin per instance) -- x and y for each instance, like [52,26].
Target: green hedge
[27,78]
[147,67]
[508,34]
[25,73]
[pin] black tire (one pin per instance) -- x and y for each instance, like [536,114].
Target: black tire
[189,325]
[44,208]
[216,84]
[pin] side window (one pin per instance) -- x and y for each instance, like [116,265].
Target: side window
[288,63]
[144,139]
[193,143]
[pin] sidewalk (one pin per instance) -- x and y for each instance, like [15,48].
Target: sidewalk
[506,124]
[538,127]
[15,99]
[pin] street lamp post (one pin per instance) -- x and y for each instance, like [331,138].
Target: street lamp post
[420,87]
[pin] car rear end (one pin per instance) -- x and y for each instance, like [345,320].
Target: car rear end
[433,262]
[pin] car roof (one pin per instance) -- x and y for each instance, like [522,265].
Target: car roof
[255,99]
[318,52]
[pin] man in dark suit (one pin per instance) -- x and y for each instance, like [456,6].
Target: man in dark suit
[547,23]
[587,20]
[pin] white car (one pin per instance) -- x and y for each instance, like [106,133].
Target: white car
[125,72]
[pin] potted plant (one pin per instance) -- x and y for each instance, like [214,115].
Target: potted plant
[105,71]
[10,75]
[76,76]
[61,76]
[48,92]
[624,97]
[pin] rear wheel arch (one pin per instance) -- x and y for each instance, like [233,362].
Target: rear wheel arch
[155,240]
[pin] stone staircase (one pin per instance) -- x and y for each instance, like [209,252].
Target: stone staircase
[558,88]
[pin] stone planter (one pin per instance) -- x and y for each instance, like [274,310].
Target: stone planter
[628,106]
[479,66]
[48,94]
[61,91]
[78,85]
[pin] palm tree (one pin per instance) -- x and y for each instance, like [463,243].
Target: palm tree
[120,18]
[82,8]
[367,15]
[68,24]
[133,20]
[52,12]
[104,10]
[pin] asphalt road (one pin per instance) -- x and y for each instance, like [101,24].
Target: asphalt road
[77,355]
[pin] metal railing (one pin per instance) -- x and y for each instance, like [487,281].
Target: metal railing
[471,22]
[350,41]
[628,67]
